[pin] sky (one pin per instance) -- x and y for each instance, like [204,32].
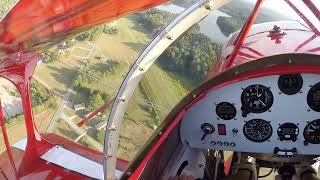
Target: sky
[282,7]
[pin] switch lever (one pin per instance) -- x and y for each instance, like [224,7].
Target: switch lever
[207,129]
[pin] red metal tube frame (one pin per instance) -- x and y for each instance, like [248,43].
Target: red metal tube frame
[305,19]
[243,33]
[94,113]
[7,143]
[313,8]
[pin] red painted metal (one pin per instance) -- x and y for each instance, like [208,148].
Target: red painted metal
[33,25]
[136,174]
[305,19]
[36,24]
[283,69]
[243,33]
[312,8]
[306,42]
[253,51]
[7,144]
[258,40]
[94,113]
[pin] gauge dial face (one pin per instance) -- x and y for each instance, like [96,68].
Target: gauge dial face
[226,110]
[290,83]
[288,131]
[257,130]
[313,97]
[311,132]
[256,98]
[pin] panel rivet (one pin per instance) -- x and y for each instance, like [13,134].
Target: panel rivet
[123,99]
[113,128]
[209,6]
[141,69]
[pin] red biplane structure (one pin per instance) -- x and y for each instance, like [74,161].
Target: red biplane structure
[262,98]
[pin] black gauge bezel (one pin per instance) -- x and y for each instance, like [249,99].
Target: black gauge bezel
[311,103]
[283,135]
[306,138]
[226,116]
[247,108]
[290,91]
[254,122]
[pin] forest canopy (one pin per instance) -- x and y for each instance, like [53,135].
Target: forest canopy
[193,54]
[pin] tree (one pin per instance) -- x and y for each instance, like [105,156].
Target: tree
[50,56]
[97,99]
[229,25]
[192,54]
[40,95]
[155,19]
[110,29]
[100,135]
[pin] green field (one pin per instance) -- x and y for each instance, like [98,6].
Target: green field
[111,59]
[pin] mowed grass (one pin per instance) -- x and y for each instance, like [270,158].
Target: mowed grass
[124,46]
[162,90]
[56,75]
[159,86]
[60,73]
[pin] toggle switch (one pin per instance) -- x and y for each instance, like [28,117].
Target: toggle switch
[207,129]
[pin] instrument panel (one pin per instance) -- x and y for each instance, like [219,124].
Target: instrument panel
[277,114]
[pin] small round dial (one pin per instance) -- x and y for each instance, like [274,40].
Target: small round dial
[290,83]
[313,97]
[311,132]
[257,130]
[256,98]
[288,131]
[226,110]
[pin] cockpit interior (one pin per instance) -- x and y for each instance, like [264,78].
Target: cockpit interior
[266,110]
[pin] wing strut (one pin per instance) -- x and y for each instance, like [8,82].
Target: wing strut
[95,112]
[243,33]
[305,19]
[312,8]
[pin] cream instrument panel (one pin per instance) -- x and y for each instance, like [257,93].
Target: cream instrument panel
[272,114]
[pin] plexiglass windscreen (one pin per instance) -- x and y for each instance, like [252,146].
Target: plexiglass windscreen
[83,73]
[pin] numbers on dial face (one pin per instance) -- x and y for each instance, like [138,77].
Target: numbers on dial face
[311,132]
[257,98]
[257,130]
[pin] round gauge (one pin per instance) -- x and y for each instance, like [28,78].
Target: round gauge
[290,83]
[311,132]
[257,130]
[288,131]
[256,98]
[313,97]
[226,110]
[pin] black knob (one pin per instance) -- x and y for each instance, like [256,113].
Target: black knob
[207,129]
[235,130]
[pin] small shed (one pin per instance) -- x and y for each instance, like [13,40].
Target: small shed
[79,106]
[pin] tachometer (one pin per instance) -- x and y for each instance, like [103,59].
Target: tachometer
[257,130]
[311,132]
[313,97]
[256,98]
[290,83]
